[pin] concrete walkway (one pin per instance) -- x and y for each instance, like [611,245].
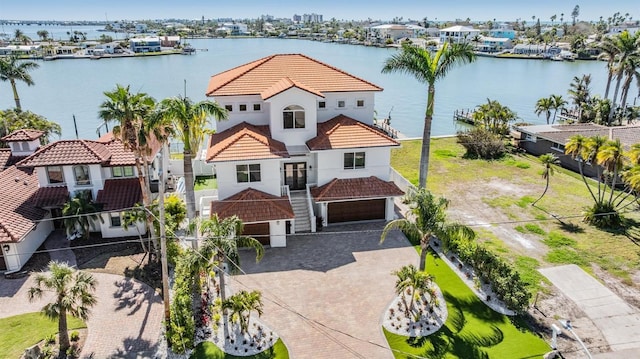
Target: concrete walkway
[618,322]
[325,293]
[59,248]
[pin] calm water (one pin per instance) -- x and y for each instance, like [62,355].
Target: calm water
[75,87]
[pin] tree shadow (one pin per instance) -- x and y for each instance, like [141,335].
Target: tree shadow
[632,230]
[133,348]
[571,227]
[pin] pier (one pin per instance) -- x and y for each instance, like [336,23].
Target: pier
[465,116]
[385,127]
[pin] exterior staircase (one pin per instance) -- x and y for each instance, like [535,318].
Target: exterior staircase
[301,211]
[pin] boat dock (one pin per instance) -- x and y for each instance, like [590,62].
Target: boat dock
[384,126]
[465,116]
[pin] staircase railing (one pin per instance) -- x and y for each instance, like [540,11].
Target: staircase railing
[312,216]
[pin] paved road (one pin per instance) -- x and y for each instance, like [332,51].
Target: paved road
[341,278]
[618,322]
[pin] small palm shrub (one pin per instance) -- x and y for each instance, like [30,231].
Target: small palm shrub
[603,215]
[74,336]
[481,143]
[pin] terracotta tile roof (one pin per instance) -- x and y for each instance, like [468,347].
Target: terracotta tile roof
[256,77]
[17,213]
[5,157]
[345,132]
[355,188]
[120,156]
[253,206]
[245,141]
[119,194]
[285,84]
[23,135]
[50,196]
[68,152]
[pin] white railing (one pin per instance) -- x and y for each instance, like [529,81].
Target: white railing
[312,216]
[400,181]
[284,191]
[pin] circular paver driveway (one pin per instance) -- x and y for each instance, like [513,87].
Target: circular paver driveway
[325,293]
[125,323]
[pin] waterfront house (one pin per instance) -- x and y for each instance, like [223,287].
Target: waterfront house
[503,30]
[145,44]
[536,50]
[458,34]
[299,145]
[36,187]
[493,44]
[541,139]
[169,41]
[20,50]
[395,32]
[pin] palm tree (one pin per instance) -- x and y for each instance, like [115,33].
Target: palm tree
[13,69]
[190,121]
[494,117]
[73,295]
[413,282]
[580,93]
[43,34]
[425,219]
[611,157]
[627,46]
[558,103]
[13,120]
[428,68]
[547,160]
[576,147]
[608,51]
[80,214]
[544,105]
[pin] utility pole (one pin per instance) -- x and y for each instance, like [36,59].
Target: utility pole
[163,238]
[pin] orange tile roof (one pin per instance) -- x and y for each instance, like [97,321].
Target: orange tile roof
[345,132]
[50,196]
[120,156]
[119,194]
[253,206]
[5,158]
[23,135]
[245,141]
[17,213]
[68,152]
[355,188]
[284,84]
[256,77]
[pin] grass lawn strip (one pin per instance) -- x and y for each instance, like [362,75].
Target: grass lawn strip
[210,351]
[472,330]
[19,332]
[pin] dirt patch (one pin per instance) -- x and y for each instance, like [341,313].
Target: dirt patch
[630,294]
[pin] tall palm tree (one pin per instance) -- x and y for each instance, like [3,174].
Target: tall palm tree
[608,51]
[190,121]
[579,92]
[13,69]
[630,71]
[425,219]
[413,282]
[611,157]
[547,161]
[544,105]
[558,103]
[576,147]
[592,147]
[73,291]
[79,214]
[627,46]
[428,68]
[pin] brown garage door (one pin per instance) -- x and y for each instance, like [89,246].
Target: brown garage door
[356,210]
[259,231]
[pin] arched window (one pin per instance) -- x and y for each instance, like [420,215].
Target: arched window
[81,174]
[293,117]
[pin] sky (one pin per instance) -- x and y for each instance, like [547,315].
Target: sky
[439,10]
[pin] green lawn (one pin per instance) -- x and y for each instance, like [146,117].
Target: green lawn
[210,350]
[472,329]
[206,182]
[451,176]
[19,332]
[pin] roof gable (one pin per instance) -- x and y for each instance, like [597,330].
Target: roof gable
[245,141]
[345,132]
[23,135]
[355,188]
[258,76]
[252,206]
[285,84]
[119,194]
[17,213]
[68,152]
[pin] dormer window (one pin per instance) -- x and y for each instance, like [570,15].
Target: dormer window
[293,117]
[81,174]
[54,174]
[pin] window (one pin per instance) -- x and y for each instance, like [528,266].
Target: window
[116,221]
[124,171]
[353,160]
[242,107]
[54,173]
[248,173]
[228,107]
[25,146]
[257,107]
[341,103]
[360,103]
[293,117]
[81,175]
[557,147]
[322,105]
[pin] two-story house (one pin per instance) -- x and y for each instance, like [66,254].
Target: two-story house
[299,144]
[38,186]
[145,44]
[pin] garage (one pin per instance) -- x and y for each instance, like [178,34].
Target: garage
[350,211]
[3,266]
[259,231]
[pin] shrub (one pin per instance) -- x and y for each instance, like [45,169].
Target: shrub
[182,328]
[481,143]
[174,250]
[50,339]
[74,336]
[603,215]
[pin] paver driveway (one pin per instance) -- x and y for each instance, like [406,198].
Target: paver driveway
[125,323]
[325,293]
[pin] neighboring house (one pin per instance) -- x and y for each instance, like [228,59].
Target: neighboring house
[458,34]
[145,44]
[503,30]
[541,139]
[394,32]
[169,41]
[141,28]
[20,50]
[299,144]
[107,48]
[493,44]
[536,50]
[233,29]
[36,188]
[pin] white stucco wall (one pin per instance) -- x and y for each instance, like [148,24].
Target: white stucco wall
[228,184]
[95,174]
[19,253]
[108,231]
[293,136]
[18,148]
[278,230]
[330,164]
[236,116]
[362,114]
